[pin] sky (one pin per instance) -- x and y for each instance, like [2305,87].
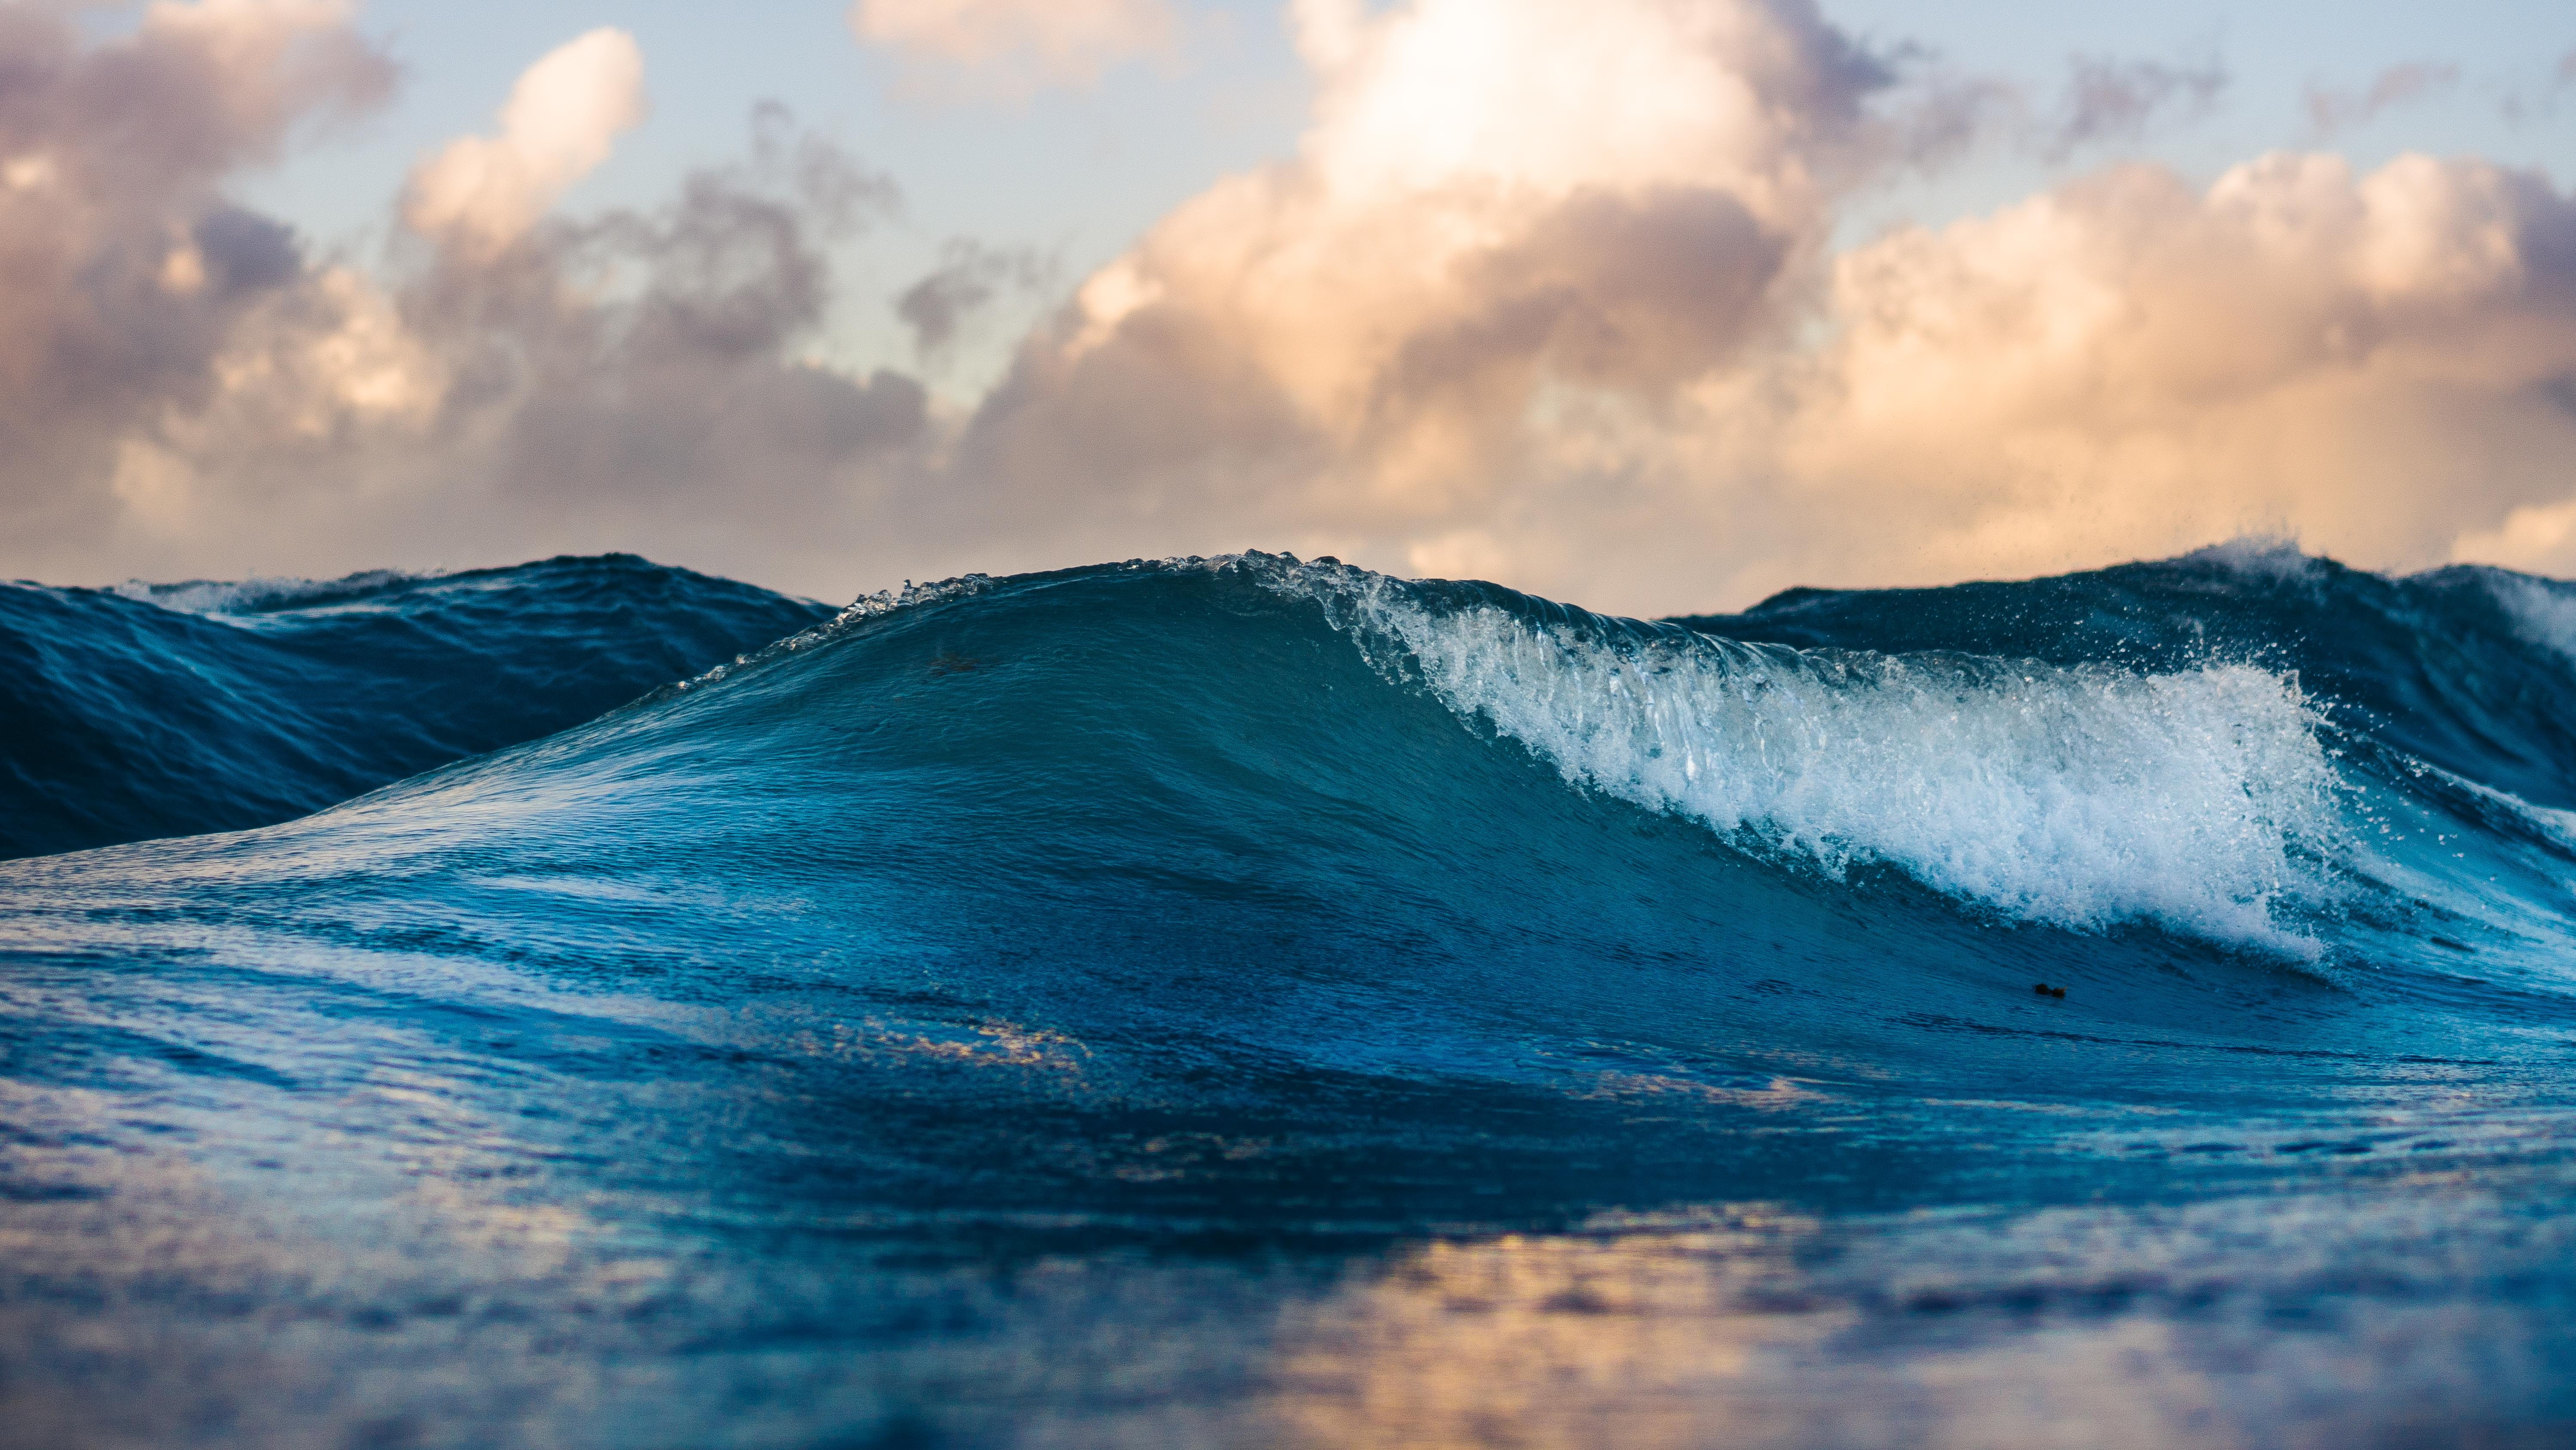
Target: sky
[1653,305]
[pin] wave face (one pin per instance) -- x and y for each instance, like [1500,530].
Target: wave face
[1247,1001]
[2468,668]
[175,709]
[2078,795]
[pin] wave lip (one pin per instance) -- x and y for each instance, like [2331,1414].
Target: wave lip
[264,594]
[2203,800]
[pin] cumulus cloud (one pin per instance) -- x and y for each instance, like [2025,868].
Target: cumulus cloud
[1507,211]
[2128,364]
[562,118]
[671,381]
[1545,295]
[633,379]
[123,270]
[1547,292]
[194,393]
[1016,44]
[2333,111]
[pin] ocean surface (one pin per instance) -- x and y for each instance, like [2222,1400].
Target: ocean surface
[1250,1002]
[177,709]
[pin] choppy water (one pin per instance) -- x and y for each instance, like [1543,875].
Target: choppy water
[1252,1002]
[174,709]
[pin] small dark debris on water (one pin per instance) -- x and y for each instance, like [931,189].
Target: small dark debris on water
[2457,946]
[2046,990]
[956,664]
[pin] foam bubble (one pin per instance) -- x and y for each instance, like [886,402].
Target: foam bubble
[2084,798]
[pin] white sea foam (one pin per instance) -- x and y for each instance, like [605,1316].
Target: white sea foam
[252,596]
[2261,558]
[2542,611]
[858,612]
[2203,800]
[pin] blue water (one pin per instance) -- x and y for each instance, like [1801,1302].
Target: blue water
[176,709]
[1249,1002]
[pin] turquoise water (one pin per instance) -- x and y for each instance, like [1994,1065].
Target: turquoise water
[1256,1002]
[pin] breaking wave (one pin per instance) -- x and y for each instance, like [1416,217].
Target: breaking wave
[2082,796]
[1181,989]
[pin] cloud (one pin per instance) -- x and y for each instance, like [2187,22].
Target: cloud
[2108,99]
[562,118]
[1546,295]
[1017,44]
[197,394]
[688,389]
[1505,211]
[2126,364]
[634,379]
[970,278]
[1547,292]
[1936,112]
[122,267]
[2331,112]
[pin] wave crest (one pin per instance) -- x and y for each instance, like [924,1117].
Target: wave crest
[2204,800]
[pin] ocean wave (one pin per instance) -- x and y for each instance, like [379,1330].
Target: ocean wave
[178,709]
[2185,745]
[1190,964]
[260,595]
[2085,797]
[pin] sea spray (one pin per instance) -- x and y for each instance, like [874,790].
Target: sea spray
[2089,797]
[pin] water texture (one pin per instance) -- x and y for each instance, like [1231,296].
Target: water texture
[177,709]
[1253,1002]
